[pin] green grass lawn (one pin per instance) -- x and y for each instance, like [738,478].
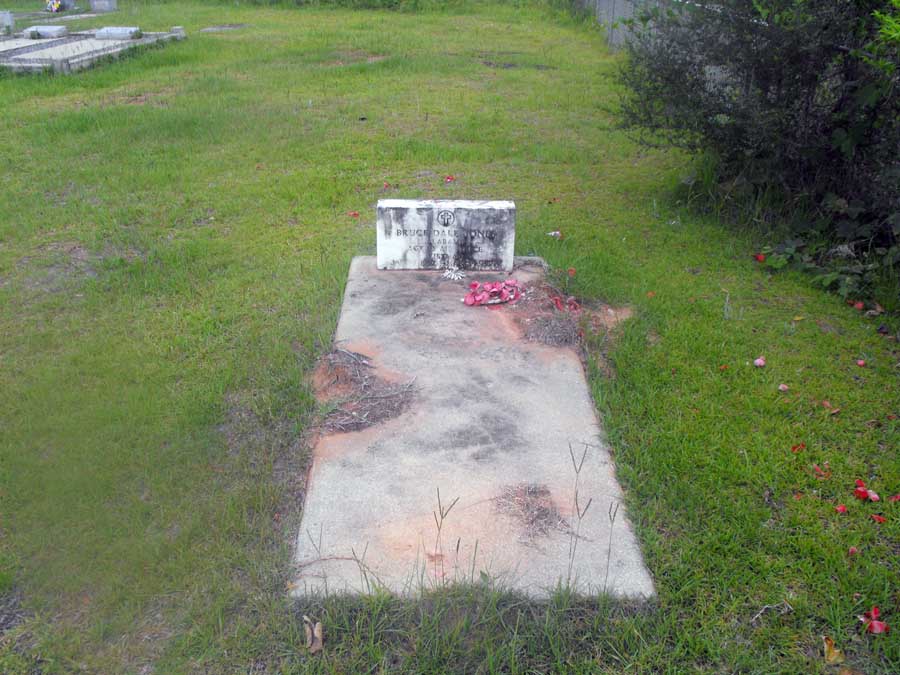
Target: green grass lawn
[174,239]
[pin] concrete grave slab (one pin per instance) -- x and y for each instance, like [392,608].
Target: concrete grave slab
[38,32]
[489,422]
[73,52]
[7,22]
[118,33]
[443,233]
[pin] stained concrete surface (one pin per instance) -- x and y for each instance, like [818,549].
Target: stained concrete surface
[490,425]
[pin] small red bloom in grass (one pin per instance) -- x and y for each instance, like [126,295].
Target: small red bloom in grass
[353,214]
[861,363]
[783,387]
[797,448]
[760,362]
[449,178]
[571,271]
[386,185]
[841,508]
[852,550]
[871,622]
[860,306]
[878,519]
[864,493]
[895,498]
[760,257]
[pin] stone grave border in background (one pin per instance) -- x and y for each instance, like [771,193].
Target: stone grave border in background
[66,55]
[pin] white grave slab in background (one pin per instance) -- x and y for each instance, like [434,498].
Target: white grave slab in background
[37,32]
[118,33]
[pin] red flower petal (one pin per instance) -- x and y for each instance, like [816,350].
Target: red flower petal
[558,302]
[859,483]
[571,271]
[852,550]
[841,508]
[861,363]
[872,614]
[797,448]
[859,306]
[873,496]
[861,493]
[877,627]
[878,519]
[760,257]
[895,498]
[474,286]
[353,214]
[469,299]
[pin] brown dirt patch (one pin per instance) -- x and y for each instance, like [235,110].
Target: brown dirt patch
[55,265]
[542,321]
[533,507]
[357,396]
[349,57]
[11,612]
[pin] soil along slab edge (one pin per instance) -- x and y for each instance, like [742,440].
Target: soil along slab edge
[478,474]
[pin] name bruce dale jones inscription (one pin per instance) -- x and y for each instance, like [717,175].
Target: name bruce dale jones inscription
[437,234]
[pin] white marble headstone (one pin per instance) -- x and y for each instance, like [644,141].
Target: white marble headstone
[443,233]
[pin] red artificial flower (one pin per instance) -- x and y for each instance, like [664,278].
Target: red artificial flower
[871,622]
[878,519]
[841,508]
[797,448]
[571,271]
[760,257]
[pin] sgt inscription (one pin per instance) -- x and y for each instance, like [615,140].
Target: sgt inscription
[439,234]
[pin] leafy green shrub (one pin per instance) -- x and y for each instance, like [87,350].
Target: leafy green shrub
[798,101]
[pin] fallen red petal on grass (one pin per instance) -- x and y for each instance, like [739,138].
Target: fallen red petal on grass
[558,302]
[798,496]
[723,367]
[859,306]
[826,404]
[651,294]
[797,448]
[861,493]
[894,498]
[841,508]
[760,362]
[386,185]
[871,622]
[873,496]
[449,178]
[353,214]
[822,474]
[783,387]
[759,257]
[571,271]
[852,550]
[878,519]
[861,363]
